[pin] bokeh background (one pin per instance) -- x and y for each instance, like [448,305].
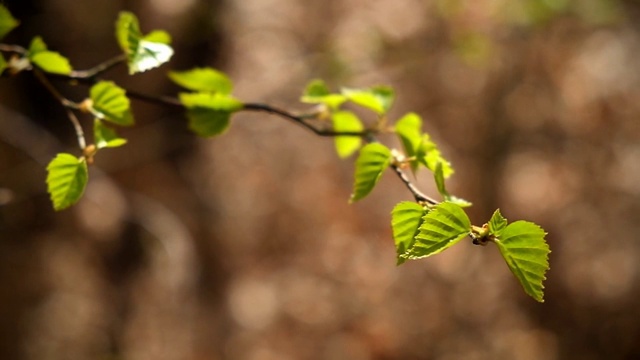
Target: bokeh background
[244,246]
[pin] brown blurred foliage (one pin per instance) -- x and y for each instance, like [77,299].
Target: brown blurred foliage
[244,246]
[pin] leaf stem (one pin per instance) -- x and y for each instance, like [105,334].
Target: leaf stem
[99,69]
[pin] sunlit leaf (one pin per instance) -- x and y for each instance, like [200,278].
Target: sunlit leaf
[438,176]
[373,160]
[203,79]
[430,156]
[106,137]
[497,223]
[406,219]
[409,130]
[317,92]
[49,61]
[523,247]
[110,102]
[347,121]
[442,227]
[7,22]
[378,98]
[143,52]
[208,113]
[66,180]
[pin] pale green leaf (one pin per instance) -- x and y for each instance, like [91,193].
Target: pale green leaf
[409,130]
[143,52]
[442,227]
[438,176]
[378,98]
[7,22]
[208,113]
[106,137]
[203,79]
[49,61]
[110,102]
[373,160]
[67,178]
[406,219]
[347,121]
[430,156]
[523,247]
[497,223]
[317,92]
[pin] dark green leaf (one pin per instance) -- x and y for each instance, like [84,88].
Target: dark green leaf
[7,22]
[523,247]
[203,79]
[143,52]
[317,92]
[497,223]
[373,160]
[110,102]
[378,98]
[66,180]
[406,219]
[37,45]
[442,227]
[209,113]
[3,64]
[347,121]
[106,137]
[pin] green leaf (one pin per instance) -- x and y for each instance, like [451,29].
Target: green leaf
[110,102]
[3,64]
[66,180]
[143,52]
[347,121]
[106,137]
[378,98]
[208,113]
[438,175]
[406,219]
[497,223]
[49,61]
[430,156]
[523,247]
[203,79]
[373,160]
[409,130]
[442,227]
[7,22]
[317,92]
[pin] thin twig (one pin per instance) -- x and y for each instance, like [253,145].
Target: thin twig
[67,104]
[99,69]
[417,194]
[13,49]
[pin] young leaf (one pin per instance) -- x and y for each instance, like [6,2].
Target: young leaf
[66,180]
[438,175]
[497,223]
[143,52]
[347,121]
[203,79]
[7,22]
[209,113]
[373,160]
[49,61]
[409,130]
[378,98]
[523,247]
[317,92]
[105,137]
[110,102]
[442,227]
[430,156]
[406,219]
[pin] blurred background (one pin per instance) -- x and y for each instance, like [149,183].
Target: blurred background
[244,246]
